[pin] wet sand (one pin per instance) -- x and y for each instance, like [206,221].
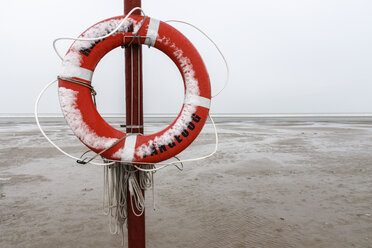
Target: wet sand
[272,184]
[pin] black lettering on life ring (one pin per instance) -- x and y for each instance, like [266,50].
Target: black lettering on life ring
[143,148]
[196,117]
[185,133]
[191,126]
[87,51]
[155,149]
[162,149]
[178,138]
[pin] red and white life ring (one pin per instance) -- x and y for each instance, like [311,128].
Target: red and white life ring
[88,125]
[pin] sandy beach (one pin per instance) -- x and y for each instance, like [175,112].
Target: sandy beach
[272,184]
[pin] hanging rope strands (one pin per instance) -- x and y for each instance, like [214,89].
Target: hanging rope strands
[131,159]
[119,179]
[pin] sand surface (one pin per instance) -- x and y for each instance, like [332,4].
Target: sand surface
[272,184]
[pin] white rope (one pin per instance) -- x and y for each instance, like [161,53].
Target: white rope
[162,165]
[49,84]
[96,38]
[42,131]
[119,179]
[218,49]
[147,181]
[106,195]
[153,190]
[136,193]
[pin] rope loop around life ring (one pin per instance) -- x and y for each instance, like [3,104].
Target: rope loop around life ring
[87,124]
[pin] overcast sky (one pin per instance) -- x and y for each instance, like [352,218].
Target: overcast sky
[286,56]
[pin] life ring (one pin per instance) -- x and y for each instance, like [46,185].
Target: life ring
[88,125]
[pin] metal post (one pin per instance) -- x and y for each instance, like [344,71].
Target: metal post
[134,117]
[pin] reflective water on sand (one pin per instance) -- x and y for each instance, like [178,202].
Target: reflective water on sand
[272,184]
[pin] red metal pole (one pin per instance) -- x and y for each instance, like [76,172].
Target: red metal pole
[134,121]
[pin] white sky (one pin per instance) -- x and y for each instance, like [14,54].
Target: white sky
[286,56]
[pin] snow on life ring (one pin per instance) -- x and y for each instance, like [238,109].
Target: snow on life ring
[88,125]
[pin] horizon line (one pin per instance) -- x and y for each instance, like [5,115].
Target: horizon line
[243,116]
